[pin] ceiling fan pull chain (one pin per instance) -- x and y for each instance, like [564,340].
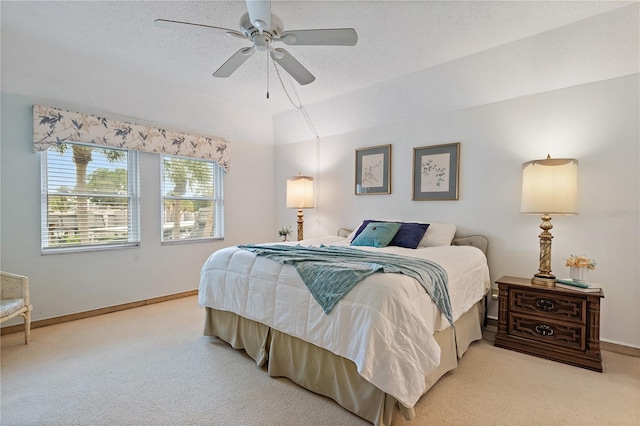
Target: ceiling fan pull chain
[267,74]
[275,66]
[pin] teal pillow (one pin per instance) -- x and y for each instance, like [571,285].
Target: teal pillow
[377,234]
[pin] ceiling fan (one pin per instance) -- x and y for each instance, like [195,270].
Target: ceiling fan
[263,29]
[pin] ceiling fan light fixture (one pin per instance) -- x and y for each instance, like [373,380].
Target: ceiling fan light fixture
[261,42]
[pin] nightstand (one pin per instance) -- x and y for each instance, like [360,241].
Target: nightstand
[553,323]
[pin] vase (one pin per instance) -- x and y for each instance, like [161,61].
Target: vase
[578,274]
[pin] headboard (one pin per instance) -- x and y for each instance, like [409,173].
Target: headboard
[344,232]
[477,241]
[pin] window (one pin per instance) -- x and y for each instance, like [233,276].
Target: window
[90,198]
[192,199]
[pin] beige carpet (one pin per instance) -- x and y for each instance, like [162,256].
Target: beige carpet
[152,366]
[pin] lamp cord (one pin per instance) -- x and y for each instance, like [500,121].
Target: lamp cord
[299,104]
[302,109]
[317,185]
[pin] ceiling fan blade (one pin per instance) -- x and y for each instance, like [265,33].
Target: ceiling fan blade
[260,14]
[178,25]
[292,66]
[234,62]
[325,37]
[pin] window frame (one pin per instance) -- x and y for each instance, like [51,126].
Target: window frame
[133,205]
[217,202]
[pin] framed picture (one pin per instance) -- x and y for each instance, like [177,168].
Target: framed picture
[436,170]
[373,170]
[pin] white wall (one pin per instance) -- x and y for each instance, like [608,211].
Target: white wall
[570,92]
[76,282]
[596,124]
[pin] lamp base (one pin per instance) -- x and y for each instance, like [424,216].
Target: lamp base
[300,225]
[540,280]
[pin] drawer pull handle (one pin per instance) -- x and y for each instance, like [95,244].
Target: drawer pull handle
[544,330]
[545,304]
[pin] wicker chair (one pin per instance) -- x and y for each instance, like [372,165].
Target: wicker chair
[14,300]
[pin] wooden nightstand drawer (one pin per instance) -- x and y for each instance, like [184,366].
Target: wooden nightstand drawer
[566,335]
[561,308]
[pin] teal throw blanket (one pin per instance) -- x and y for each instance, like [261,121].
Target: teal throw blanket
[330,272]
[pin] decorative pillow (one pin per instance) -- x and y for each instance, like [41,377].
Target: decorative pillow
[361,228]
[409,235]
[438,234]
[376,234]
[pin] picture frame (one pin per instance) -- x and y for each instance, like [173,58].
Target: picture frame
[436,172]
[373,170]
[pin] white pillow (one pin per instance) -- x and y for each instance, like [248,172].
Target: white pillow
[438,234]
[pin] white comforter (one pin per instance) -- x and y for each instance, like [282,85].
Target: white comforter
[385,325]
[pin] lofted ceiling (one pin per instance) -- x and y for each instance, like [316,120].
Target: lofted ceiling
[395,38]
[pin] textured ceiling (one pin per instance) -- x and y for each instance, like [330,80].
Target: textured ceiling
[395,38]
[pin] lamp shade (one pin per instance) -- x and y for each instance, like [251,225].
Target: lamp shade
[550,186]
[300,192]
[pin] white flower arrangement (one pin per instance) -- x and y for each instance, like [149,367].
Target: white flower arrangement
[285,231]
[581,262]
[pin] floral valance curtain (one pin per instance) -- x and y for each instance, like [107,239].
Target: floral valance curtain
[52,126]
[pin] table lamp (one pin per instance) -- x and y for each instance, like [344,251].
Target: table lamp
[549,187]
[300,196]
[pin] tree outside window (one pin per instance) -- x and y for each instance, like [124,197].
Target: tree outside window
[192,199]
[90,198]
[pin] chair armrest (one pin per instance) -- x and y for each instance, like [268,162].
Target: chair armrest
[13,286]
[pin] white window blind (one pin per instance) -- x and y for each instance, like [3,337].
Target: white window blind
[90,198]
[192,199]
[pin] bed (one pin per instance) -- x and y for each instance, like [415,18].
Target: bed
[381,347]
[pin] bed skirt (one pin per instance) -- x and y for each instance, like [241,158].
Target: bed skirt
[333,376]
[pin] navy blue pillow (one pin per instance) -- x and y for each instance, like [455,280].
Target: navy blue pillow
[409,235]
